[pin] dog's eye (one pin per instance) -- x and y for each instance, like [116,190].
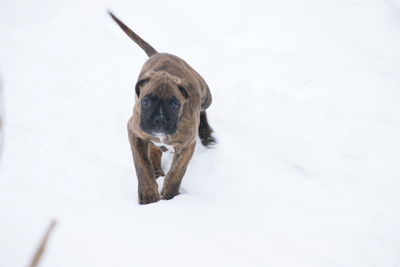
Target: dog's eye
[146,102]
[175,104]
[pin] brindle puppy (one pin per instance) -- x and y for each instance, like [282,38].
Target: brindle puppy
[170,104]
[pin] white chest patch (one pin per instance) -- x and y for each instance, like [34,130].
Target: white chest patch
[164,147]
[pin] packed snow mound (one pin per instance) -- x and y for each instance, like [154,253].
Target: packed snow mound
[305,109]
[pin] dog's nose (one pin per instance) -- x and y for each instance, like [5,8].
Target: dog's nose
[160,120]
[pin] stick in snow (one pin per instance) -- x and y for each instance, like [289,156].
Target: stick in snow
[42,246]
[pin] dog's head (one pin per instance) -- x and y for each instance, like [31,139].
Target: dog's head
[161,99]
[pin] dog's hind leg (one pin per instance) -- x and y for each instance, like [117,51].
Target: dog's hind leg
[155,155]
[205,131]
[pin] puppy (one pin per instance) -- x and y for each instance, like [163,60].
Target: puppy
[169,111]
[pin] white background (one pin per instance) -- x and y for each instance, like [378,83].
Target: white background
[306,112]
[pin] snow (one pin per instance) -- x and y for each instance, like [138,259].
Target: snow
[305,109]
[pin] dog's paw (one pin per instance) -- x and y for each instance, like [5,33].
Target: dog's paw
[169,194]
[148,197]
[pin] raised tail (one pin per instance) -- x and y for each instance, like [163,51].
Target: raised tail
[136,38]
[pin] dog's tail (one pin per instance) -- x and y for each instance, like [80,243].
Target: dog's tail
[205,131]
[136,38]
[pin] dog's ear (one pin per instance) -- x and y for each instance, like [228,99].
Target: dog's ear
[140,84]
[182,86]
[142,80]
[189,93]
[183,91]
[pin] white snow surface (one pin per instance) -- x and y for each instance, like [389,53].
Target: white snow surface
[306,109]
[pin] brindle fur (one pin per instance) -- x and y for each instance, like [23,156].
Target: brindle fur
[166,75]
[155,155]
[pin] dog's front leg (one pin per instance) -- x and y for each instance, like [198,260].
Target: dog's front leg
[174,177]
[147,185]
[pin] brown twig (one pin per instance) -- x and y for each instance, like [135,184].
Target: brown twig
[39,251]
